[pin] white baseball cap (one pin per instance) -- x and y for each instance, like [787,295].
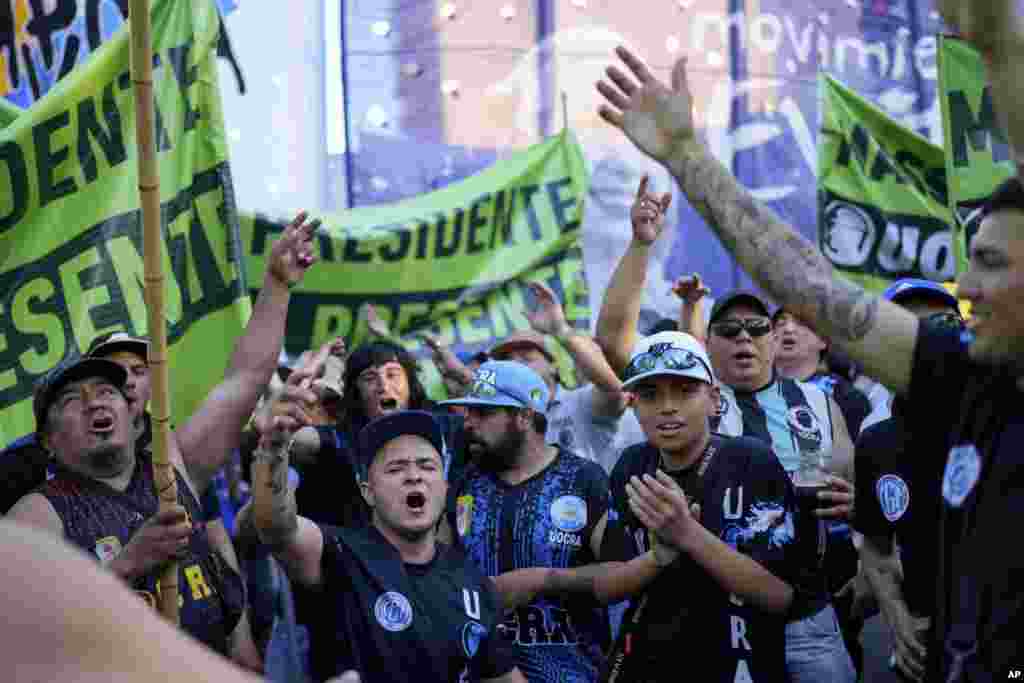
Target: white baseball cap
[668,353]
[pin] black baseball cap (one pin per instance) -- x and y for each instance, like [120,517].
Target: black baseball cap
[740,296]
[109,343]
[72,371]
[392,425]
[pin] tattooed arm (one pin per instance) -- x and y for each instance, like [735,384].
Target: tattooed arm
[295,541]
[792,270]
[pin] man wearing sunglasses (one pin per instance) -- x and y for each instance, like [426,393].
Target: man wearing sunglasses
[791,417]
[899,499]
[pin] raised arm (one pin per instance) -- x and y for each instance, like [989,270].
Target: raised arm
[549,318]
[620,310]
[659,121]
[691,291]
[208,437]
[272,514]
[995,29]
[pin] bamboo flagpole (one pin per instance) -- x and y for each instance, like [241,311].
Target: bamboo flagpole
[152,240]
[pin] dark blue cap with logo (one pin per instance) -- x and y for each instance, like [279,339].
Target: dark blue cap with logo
[72,371]
[390,426]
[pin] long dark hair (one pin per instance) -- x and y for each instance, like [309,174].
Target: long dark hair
[371,355]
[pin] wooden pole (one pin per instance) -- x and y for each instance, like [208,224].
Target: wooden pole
[152,241]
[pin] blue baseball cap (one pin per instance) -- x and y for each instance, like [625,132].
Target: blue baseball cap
[916,287]
[506,384]
[377,433]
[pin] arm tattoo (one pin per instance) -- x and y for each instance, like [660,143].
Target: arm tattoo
[278,517]
[789,267]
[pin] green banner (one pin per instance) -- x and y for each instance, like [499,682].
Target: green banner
[883,211]
[978,157]
[70,229]
[455,262]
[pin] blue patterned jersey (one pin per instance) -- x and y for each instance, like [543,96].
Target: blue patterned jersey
[546,521]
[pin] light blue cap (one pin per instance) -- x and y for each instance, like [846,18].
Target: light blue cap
[506,384]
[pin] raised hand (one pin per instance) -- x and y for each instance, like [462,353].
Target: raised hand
[293,408]
[690,288]
[292,255]
[448,364]
[658,120]
[376,324]
[548,316]
[648,213]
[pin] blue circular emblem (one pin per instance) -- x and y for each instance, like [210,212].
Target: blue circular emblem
[963,469]
[393,611]
[569,513]
[472,633]
[893,496]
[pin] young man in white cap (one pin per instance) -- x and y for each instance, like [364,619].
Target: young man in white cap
[390,601]
[725,504]
[525,503]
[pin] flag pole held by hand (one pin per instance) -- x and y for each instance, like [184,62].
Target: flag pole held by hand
[152,240]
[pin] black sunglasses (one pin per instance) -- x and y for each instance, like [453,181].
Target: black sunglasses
[730,329]
[945,320]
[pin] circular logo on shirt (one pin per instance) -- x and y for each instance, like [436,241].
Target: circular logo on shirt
[393,611]
[569,513]
[963,468]
[893,496]
[804,422]
[472,634]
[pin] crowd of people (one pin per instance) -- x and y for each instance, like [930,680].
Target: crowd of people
[725,497]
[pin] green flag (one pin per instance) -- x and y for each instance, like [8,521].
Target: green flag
[70,229]
[454,262]
[978,157]
[883,211]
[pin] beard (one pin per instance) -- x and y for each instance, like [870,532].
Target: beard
[504,454]
[106,459]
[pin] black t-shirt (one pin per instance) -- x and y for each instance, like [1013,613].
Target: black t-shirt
[746,500]
[981,412]
[898,495]
[394,622]
[328,490]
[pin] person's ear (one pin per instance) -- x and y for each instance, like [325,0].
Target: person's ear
[715,396]
[367,493]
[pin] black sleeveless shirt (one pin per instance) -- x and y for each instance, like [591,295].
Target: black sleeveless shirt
[101,520]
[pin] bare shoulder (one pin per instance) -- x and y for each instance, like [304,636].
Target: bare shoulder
[36,511]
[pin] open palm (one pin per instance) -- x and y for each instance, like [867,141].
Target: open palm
[655,118]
